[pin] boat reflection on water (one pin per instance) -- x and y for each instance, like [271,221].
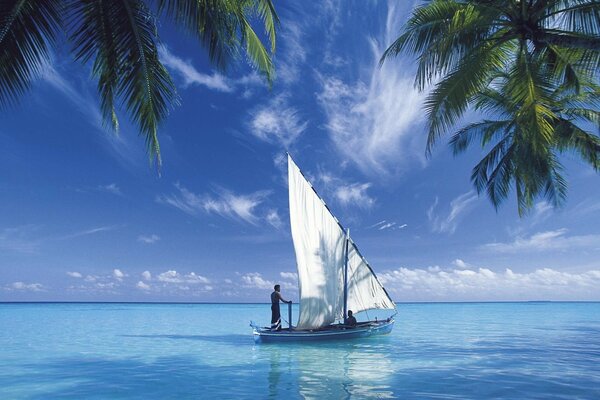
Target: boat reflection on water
[328,370]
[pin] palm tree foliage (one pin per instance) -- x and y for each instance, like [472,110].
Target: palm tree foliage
[120,40]
[532,65]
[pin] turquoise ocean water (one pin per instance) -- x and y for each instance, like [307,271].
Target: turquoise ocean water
[452,351]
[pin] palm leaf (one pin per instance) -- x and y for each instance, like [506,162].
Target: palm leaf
[120,36]
[27,29]
[223,26]
[146,86]
[92,35]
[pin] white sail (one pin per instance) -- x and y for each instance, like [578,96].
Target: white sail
[319,243]
[364,290]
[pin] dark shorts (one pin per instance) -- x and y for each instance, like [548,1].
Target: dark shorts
[275,313]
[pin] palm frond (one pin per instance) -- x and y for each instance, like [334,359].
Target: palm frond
[27,30]
[146,86]
[570,137]
[120,36]
[224,27]
[92,34]
[494,172]
[487,130]
[451,97]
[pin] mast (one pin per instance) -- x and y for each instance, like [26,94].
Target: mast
[346,275]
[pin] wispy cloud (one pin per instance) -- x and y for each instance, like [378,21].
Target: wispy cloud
[110,188]
[118,274]
[148,239]
[372,121]
[173,276]
[88,232]
[274,219]
[484,284]
[387,225]
[277,122]
[125,151]
[557,240]
[289,275]
[355,194]
[459,207]
[294,51]
[75,274]
[26,287]
[346,193]
[147,275]
[190,75]
[143,286]
[225,203]
[29,238]
[20,238]
[255,280]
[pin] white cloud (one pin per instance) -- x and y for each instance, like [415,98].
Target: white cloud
[373,121]
[148,239]
[105,286]
[355,193]
[225,204]
[90,231]
[110,188]
[548,240]
[274,219]
[432,284]
[346,193]
[172,276]
[293,48]
[74,274]
[289,275]
[277,122]
[461,264]
[32,287]
[255,280]
[19,239]
[385,226]
[143,286]
[147,275]
[459,207]
[118,274]
[190,75]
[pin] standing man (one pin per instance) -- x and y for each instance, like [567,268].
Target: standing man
[275,313]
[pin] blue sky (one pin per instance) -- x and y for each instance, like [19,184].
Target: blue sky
[83,217]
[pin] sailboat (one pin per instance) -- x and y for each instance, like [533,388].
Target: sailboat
[333,275]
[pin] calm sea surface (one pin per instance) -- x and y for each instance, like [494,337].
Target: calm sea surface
[142,351]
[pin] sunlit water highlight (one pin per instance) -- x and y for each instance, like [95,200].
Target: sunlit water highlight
[141,351]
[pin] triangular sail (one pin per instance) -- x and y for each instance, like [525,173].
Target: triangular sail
[319,243]
[364,290]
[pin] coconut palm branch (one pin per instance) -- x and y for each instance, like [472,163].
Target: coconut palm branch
[27,30]
[512,59]
[224,27]
[120,40]
[529,163]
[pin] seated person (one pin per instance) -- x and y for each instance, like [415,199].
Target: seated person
[351,321]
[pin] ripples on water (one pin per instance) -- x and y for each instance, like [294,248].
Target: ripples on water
[479,351]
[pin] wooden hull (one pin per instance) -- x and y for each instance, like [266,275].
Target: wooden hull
[333,332]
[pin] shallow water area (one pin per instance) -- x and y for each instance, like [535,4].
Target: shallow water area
[141,351]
